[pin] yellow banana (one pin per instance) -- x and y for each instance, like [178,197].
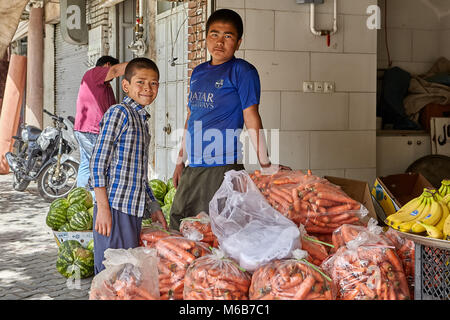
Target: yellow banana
[446,229]
[418,214]
[446,199]
[445,214]
[437,196]
[445,187]
[432,231]
[431,219]
[406,212]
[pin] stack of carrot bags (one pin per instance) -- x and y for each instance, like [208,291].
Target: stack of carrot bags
[309,200]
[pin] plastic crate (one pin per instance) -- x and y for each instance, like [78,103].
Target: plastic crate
[432,273]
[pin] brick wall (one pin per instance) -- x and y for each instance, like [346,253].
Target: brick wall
[96,15]
[197,11]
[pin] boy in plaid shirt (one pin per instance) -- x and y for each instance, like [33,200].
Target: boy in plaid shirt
[119,165]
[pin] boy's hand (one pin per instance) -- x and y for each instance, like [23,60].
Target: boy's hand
[177,174]
[103,221]
[159,216]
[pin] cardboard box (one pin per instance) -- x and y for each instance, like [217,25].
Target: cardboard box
[357,190]
[83,237]
[394,191]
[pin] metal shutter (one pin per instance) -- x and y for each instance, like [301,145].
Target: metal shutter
[70,66]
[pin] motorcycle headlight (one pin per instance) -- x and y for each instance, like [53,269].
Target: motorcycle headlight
[24,134]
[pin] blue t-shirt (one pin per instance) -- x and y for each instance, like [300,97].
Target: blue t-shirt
[218,95]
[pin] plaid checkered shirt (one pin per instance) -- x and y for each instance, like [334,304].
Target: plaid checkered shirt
[119,160]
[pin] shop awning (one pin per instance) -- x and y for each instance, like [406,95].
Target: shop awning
[10,12]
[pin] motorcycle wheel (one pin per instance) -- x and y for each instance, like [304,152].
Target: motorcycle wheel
[20,184]
[52,187]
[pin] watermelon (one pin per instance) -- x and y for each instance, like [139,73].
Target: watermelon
[159,188]
[65,227]
[166,211]
[90,245]
[74,260]
[80,195]
[170,184]
[81,221]
[74,208]
[168,198]
[91,212]
[57,213]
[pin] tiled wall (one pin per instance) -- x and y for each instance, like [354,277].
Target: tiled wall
[417,36]
[331,134]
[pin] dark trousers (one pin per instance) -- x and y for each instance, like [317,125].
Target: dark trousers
[125,233]
[195,190]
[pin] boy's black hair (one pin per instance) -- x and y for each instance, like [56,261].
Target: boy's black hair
[139,63]
[105,59]
[229,16]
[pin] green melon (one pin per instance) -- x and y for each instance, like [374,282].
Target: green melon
[74,208]
[170,184]
[81,221]
[90,245]
[65,227]
[74,260]
[91,212]
[168,198]
[166,211]
[80,195]
[57,213]
[159,188]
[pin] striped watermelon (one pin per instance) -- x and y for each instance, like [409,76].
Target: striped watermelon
[90,245]
[65,227]
[170,184]
[91,212]
[80,195]
[74,260]
[159,189]
[74,208]
[166,211]
[81,221]
[57,213]
[168,198]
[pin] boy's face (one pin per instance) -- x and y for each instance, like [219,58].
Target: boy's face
[222,42]
[143,86]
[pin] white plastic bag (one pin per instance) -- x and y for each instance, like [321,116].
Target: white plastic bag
[129,274]
[249,230]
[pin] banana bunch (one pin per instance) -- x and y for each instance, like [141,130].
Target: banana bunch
[427,213]
[444,189]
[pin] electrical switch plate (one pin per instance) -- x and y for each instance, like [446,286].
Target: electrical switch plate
[318,86]
[328,87]
[308,86]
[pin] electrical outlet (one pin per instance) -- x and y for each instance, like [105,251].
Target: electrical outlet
[308,86]
[318,86]
[328,87]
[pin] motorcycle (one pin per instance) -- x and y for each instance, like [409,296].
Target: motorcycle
[46,157]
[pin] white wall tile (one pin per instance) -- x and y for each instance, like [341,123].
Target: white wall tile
[343,149]
[358,7]
[259,29]
[444,49]
[288,5]
[329,172]
[350,72]
[367,174]
[230,4]
[362,112]
[357,37]
[425,45]
[292,32]
[269,109]
[314,111]
[411,14]
[294,149]
[280,70]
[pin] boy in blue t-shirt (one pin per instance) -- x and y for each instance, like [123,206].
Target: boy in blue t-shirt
[224,95]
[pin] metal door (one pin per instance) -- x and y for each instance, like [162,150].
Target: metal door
[171,103]
[70,66]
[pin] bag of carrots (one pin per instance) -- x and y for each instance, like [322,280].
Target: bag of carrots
[372,233]
[405,250]
[318,204]
[367,271]
[248,229]
[175,255]
[317,250]
[216,277]
[199,228]
[291,279]
[128,275]
[152,233]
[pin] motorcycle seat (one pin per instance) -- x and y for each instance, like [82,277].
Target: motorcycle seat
[33,133]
